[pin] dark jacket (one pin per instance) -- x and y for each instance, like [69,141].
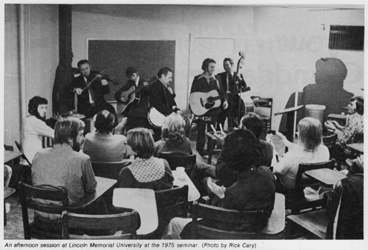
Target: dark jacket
[161,98]
[96,87]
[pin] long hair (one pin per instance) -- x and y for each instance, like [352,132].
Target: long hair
[34,103]
[141,142]
[310,133]
[173,130]
[105,122]
[359,104]
[67,128]
[241,150]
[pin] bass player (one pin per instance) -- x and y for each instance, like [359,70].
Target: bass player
[133,100]
[206,82]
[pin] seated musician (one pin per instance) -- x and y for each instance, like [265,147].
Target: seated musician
[135,110]
[224,173]
[34,128]
[206,82]
[103,145]
[145,171]
[254,189]
[173,138]
[63,165]
[308,150]
[90,98]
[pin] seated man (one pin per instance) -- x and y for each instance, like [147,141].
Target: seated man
[62,165]
[103,145]
[254,189]
[34,128]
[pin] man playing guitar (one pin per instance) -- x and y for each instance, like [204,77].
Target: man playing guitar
[207,82]
[133,97]
[233,83]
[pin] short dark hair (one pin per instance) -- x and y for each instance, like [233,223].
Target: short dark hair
[141,142]
[163,71]
[207,62]
[253,122]
[81,62]
[130,71]
[34,103]
[105,122]
[241,150]
[230,60]
[359,104]
[66,128]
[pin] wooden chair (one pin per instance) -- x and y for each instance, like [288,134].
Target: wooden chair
[120,226]
[170,203]
[109,169]
[295,199]
[19,146]
[253,221]
[44,199]
[180,160]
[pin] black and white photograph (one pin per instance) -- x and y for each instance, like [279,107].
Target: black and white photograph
[183,124]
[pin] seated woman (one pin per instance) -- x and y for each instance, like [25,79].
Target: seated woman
[308,150]
[145,171]
[254,190]
[354,122]
[102,145]
[173,139]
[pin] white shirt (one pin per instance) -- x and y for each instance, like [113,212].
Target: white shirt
[32,132]
[288,166]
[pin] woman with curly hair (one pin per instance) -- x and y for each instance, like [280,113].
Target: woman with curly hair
[173,138]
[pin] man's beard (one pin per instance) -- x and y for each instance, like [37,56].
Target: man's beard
[40,117]
[77,146]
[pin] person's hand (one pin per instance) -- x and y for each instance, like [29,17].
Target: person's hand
[145,84]
[334,122]
[123,99]
[216,189]
[78,91]
[359,161]
[330,126]
[225,105]
[170,90]
[104,82]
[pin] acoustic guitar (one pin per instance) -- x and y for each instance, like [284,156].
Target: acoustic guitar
[201,102]
[131,98]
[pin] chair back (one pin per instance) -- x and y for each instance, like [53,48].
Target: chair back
[302,180]
[109,169]
[253,221]
[170,203]
[179,160]
[19,146]
[44,199]
[128,223]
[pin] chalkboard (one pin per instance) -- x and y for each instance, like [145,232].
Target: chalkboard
[117,55]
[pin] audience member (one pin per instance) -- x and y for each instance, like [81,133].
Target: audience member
[62,165]
[145,171]
[103,145]
[173,138]
[354,122]
[309,150]
[254,190]
[34,128]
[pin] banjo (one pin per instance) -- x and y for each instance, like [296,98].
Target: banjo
[155,117]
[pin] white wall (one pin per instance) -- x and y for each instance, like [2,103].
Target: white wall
[281,44]
[41,54]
